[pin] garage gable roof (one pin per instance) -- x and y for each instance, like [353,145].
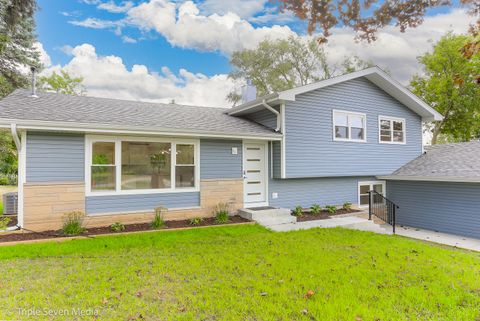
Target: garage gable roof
[459,162]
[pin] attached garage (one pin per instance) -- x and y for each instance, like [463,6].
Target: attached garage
[440,190]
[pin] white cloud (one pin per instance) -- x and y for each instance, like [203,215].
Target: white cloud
[127,39]
[184,26]
[243,8]
[114,8]
[107,76]
[95,23]
[395,50]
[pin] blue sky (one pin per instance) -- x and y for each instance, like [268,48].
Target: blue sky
[158,50]
[54,31]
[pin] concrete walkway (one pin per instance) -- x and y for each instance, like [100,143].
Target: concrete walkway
[363,224]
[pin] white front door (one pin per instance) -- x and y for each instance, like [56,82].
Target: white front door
[255,174]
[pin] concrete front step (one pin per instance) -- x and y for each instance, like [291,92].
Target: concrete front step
[268,216]
[269,221]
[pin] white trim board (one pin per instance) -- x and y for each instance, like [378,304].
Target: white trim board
[127,130]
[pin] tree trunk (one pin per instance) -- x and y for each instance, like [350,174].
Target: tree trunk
[436,132]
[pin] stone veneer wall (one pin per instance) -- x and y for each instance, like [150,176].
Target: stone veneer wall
[45,204]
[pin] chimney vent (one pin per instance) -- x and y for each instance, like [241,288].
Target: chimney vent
[34,82]
[249,92]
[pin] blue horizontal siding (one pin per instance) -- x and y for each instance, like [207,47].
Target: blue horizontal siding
[140,202]
[311,150]
[217,161]
[308,191]
[445,207]
[55,157]
[264,117]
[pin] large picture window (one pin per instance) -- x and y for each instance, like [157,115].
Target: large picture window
[349,126]
[391,130]
[146,165]
[125,166]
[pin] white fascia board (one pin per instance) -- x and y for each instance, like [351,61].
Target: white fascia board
[431,179]
[126,130]
[244,108]
[382,80]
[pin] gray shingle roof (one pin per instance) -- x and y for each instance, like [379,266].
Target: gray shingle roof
[54,107]
[456,162]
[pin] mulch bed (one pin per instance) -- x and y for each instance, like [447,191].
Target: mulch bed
[27,236]
[13,220]
[323,215]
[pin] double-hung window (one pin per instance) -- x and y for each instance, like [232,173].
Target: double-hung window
[135,165]
[391,130]
[349,126]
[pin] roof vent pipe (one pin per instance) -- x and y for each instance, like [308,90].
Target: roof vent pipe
[34,82]
[249,92]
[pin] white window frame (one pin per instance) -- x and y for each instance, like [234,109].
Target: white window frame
[90,139]
[371,183]
[392,119]
[350,139]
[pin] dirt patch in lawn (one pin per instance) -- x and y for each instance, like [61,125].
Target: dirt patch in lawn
[27,236]
[323,215]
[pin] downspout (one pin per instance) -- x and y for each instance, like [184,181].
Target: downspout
[264,103]
[20,173]
[16,139]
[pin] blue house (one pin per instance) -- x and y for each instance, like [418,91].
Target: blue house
[329,142]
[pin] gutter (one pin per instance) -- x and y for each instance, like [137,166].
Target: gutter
[446,179]
[126,130]
[264,103]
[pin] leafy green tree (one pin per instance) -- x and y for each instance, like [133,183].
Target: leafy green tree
[62,83]
[283,64]
[8,154]
[17,39]
[449,85]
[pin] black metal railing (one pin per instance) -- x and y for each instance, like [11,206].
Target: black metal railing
[381,207]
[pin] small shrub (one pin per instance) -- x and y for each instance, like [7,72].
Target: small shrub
[196,221]
[73,223]
[4,220]
[315,209]
[158,221]
[332,209]
[117,227]
[221,213]
[347,206]
[297,211]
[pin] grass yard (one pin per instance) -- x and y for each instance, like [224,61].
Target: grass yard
[241,273]
[5,189]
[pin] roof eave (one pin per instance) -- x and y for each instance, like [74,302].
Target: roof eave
[244,108]
[449,179]
[374,74]
[134,130]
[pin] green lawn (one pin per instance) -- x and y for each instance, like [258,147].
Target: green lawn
[242,273]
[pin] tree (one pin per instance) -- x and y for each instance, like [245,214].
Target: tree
[449,86]
[62,83]
[17,41]
[283,64]
[367,17]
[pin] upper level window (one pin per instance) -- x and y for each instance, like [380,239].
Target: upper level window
[349,126]
[391,130]
[133,165]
